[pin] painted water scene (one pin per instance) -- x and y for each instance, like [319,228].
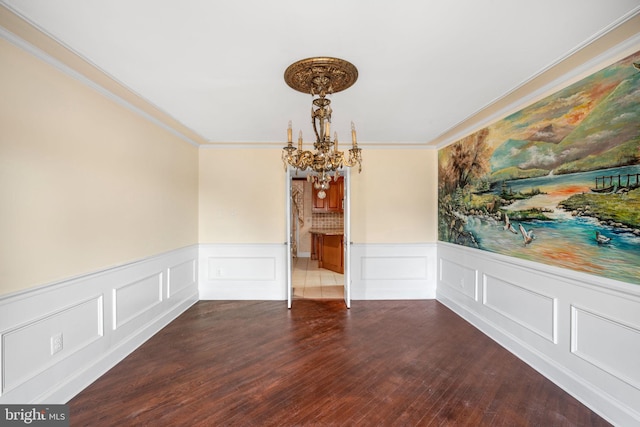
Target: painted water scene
[557,182]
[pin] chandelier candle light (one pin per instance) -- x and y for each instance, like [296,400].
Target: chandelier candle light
[321,76]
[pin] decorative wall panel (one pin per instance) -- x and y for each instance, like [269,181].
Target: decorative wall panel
[393,268]
[532,310]
[133,299]
[460,278]
[248,268]
[387,271]
[30,349]
[607,343]
[243,272]
[181,277]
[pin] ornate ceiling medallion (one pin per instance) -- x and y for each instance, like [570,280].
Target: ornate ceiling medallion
[322,74]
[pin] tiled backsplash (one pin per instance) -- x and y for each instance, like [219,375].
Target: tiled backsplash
[312,220]
[327,220]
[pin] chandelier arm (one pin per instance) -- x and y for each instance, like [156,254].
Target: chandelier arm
[313,122]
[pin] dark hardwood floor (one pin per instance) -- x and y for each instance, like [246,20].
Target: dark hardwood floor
[249,363]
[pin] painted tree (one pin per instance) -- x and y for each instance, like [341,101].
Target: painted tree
[460,165]
[469,160]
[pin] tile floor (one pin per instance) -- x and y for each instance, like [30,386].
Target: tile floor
[309,281]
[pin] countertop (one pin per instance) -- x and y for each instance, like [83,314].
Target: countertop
[327,231]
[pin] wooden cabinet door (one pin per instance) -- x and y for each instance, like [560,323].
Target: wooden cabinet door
[333,253]
[319,205]
[335,195]
[333,202]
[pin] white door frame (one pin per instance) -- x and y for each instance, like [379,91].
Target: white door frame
[287,243]
[346,243]
[347,237]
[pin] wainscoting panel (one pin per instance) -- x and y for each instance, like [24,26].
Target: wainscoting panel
[243,269]
[182,276]
[607,343]
[393,271]
[49,340]
[580,331]
[534,311]
[243,272]
[136,298]
[460,278]
[58,338]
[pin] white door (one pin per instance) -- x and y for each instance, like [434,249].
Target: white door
[347,237]
[288,242]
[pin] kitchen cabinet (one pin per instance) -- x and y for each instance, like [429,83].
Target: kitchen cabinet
[332,254]
[333,202]
[327,246]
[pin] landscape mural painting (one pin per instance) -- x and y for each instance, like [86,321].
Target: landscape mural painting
[557,182]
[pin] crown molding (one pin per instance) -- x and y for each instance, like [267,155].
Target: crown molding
[279,145]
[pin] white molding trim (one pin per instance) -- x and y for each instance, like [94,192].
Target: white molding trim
[278,145]
[258,271]
[242,271]
[58,338]
[535,314]
[393,271]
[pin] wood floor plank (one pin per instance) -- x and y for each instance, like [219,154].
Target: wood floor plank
[246,363]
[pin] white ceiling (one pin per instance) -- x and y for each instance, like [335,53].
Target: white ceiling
[424,66]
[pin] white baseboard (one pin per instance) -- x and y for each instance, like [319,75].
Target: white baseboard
[59,338]
[581,334]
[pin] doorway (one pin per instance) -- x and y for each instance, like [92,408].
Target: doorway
[318,240]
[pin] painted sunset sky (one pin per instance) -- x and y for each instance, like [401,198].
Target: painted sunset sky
[573,123]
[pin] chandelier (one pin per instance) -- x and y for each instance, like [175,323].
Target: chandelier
[321,76]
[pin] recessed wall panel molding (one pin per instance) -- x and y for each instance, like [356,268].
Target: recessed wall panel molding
[532,310]
[135,298]
[32,348]
[58,338]
[607,343]
[393,271]
[394,267]
[181,276]
[459,278]
[242,271]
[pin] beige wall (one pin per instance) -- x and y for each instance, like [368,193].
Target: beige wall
[84,183]
[242,196]
[394,199]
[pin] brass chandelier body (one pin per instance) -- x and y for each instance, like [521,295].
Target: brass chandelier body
[321,76]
